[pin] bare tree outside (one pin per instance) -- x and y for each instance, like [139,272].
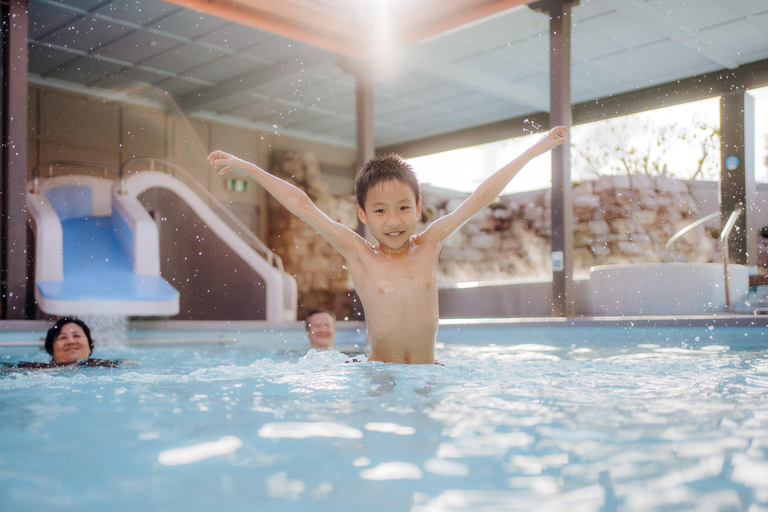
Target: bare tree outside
[631,145]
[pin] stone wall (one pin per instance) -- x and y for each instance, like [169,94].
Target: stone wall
[321,276]
[617,219]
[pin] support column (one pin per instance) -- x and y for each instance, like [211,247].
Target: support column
[13,226]
[737,174]
[560,114]
[364,111]
[365,143]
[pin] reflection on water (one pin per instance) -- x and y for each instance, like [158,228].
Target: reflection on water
[524,427]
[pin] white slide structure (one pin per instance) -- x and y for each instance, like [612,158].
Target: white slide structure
[97,249]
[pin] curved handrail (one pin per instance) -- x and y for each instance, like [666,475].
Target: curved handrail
[686,229]
[254,241]
[71,163]
[724,234]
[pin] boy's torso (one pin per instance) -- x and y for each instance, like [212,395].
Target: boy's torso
[399,295]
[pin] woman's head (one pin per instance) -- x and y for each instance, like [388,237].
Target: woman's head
[69,340]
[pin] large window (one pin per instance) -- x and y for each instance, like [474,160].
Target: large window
[680,141]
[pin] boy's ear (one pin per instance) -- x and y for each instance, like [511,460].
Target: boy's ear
[361,215]
[418,207]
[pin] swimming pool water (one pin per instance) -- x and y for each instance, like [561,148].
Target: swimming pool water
[560,419]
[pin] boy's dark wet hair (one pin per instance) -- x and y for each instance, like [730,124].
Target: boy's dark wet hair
[381,169]
[316,311]
[54,332]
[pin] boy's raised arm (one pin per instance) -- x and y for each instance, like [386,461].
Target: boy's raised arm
[491,188]
[293,198]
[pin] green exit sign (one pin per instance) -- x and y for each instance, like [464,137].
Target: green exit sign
[237,185]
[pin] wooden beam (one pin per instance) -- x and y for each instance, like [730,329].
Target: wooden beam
[265,21]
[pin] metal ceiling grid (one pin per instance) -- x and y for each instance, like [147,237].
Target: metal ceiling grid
[489,70]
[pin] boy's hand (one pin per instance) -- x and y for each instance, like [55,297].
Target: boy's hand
[223,162]
[556,136]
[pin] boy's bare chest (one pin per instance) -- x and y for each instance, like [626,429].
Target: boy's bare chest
[381,275]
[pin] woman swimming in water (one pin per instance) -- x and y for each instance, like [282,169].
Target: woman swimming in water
[70,344]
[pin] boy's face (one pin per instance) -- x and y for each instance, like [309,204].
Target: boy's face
[391,213]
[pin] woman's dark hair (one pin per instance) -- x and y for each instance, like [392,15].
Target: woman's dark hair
[54,332]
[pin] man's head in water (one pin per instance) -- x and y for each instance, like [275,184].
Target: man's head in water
[321,328]
[69,340]
[388,200]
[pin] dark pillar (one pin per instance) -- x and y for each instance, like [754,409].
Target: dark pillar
[13,227]
[365,144]
[560,114]
[737,173]
[364,111]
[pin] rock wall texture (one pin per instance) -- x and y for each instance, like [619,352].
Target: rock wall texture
[321,275]
[617,219]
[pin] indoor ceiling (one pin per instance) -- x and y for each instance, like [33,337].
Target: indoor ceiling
[460,68]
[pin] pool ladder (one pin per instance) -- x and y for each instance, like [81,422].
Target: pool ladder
[724,235]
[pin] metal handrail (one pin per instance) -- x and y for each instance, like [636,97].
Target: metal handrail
[254,241]
[724,234]
[687,229]
[70,163]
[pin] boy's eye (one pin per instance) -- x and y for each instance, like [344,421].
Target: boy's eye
[379,211]
[403,207]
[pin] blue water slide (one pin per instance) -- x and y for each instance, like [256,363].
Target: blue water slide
[94,256]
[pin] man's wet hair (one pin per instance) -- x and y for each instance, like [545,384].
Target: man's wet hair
[316,311]
[54,332]
[381,169]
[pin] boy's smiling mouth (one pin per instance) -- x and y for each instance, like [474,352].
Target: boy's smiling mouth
[393,234]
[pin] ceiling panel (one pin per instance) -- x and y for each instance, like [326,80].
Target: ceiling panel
[342,104]
[615,30]
[235,37]
[438,92]
[139,12]
[402,85]
[183,58]
[277,49]
[406,115]
[464,101]
[44,18]
[84,71]
[176,87]
[749,46]
[690,14]
[189,24]
[748,6]
[533,53]
[344,132]
[43,59]
[129,78]
[315,90]
[435,123]
[389,106]
[86,34]
[448,49]
[224,68]
[490,65]
[138,46]
[325,124]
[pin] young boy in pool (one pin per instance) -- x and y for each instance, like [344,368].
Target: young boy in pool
[396,277]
